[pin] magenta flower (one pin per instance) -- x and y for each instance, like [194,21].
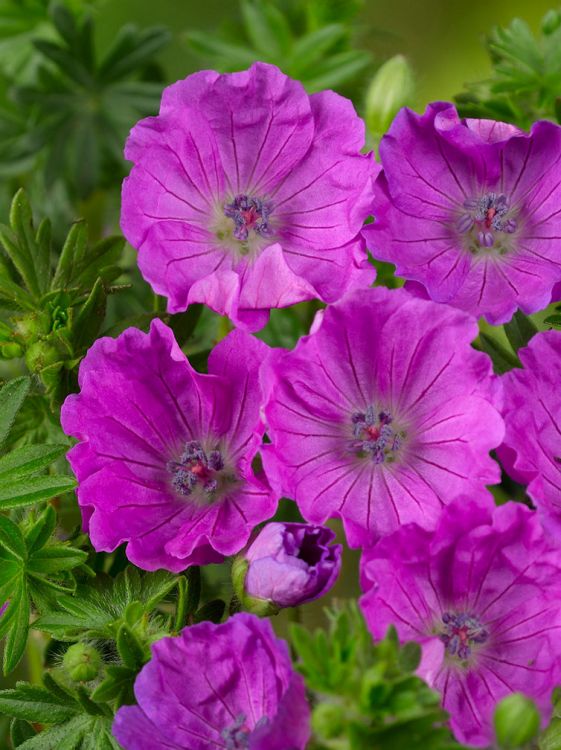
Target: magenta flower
[382,415]
[286,564]
[482,595]
[531,452]
[164,453]
[227,686]
[249,194]
[470,209]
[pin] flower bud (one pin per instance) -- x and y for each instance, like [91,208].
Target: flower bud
[284,565]
[517,721]
[551,22]
[41,354]
[82,662]
[10,350]
[391,88]
[3,608]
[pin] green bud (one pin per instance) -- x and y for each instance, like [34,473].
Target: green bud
[391,88]
[32,325]
[41,354]
[551,22]
[517,721]
[10,350]
[328,720]
[82,662]
[259,607]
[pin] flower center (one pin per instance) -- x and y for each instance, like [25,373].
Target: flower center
[487,222]
[196,468]
[461,632]
[249,214]
[236,736]
[374,436]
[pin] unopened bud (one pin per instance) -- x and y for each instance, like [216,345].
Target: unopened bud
[82,662]
[551,22]
[517,721]
[391,89]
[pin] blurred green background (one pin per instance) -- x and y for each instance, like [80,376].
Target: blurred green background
[443,39]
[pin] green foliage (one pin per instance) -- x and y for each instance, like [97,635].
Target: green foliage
[56,302]
[78,109]
[526,81]
[79,722]
[366,693]
[311,41]
[35,569]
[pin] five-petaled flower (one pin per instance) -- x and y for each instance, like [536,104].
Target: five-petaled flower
[482,595]
[164,454]
[470,210]
[381,416]
[228,686]
[248,194]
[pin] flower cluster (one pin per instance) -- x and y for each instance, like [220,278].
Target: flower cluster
[247,194]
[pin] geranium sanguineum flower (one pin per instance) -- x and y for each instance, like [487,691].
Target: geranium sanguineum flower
[471,210]
[164,454]
[381,416]
[531,451]
[286,565]
[482,595]
[229,686]
[248,194]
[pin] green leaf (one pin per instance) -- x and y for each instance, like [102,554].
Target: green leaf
[56,558]
[130,649]
[33,490]
[35,704]
[12,396]
[16,640]
[503,359]
[39,534]
[266,27]
[91,315]
[131,49]
[553,320]
[11,539]
[72,255]
[20,245]
[57,737]
[409,657]
[20,731]
[117,685]
[520,330]
[28,460]
[188,596]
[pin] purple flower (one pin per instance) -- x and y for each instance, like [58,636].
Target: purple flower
[3,608]
[470,209]
[285,565]
[382,415]
[249,194]
[228,686]
[531,452]
[482,595]
[164,458]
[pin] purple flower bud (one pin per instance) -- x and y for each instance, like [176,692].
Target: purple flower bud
[285,565]
[3,608]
